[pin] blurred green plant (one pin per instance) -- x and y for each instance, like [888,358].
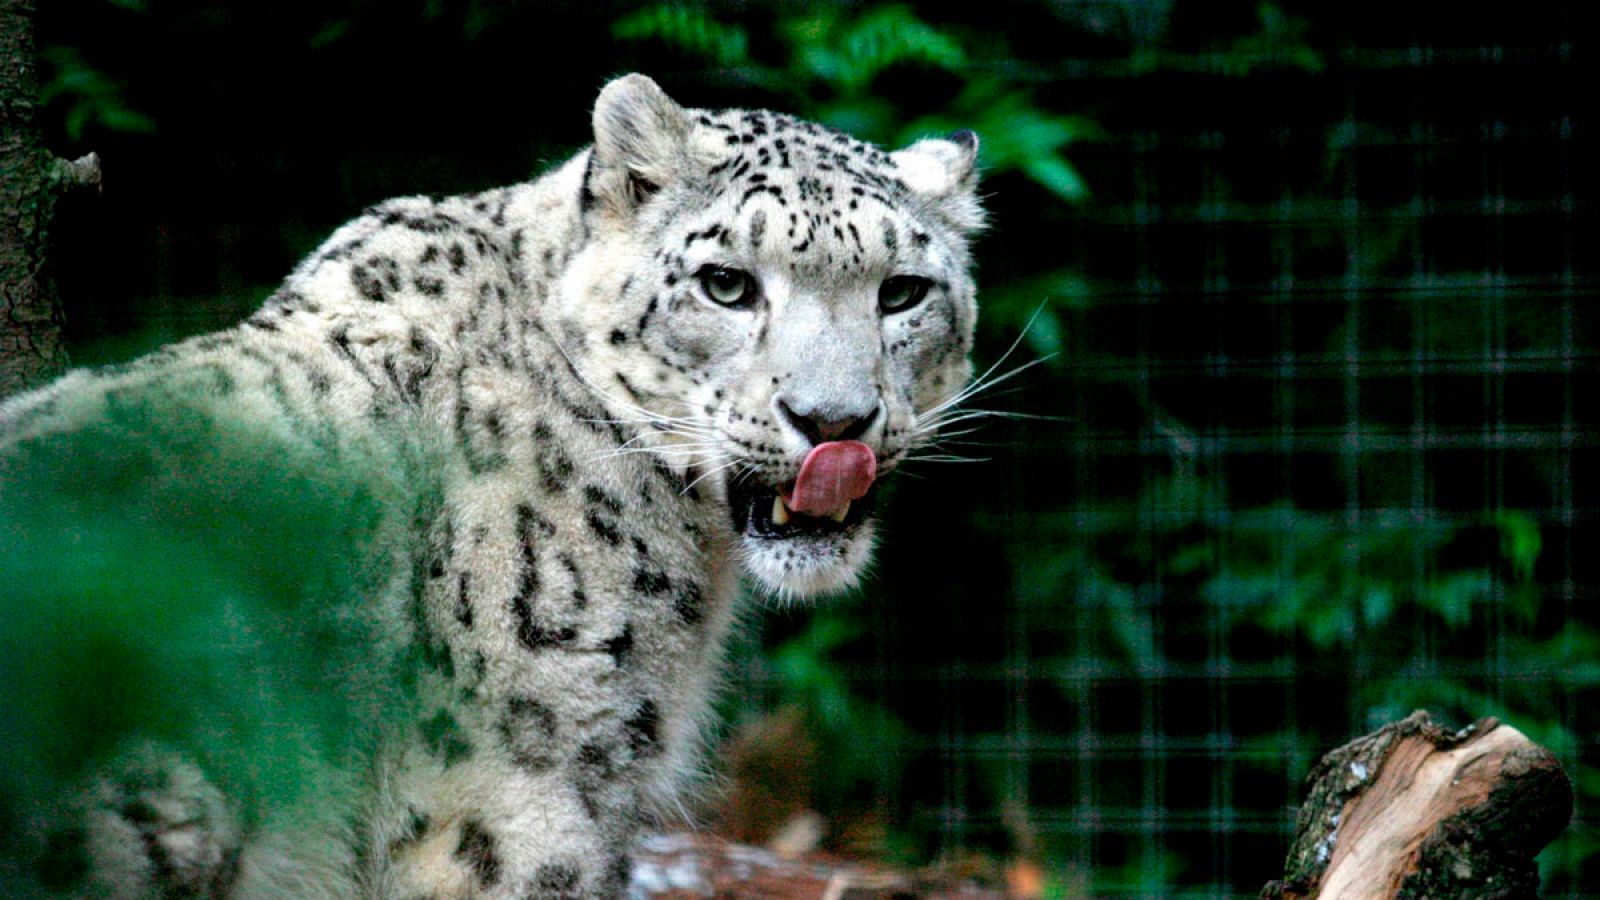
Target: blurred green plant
[1332,590]
[1280,41]
[858,737]
[829,62]
[91,98]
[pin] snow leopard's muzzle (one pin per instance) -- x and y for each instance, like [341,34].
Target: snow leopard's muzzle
[835,491]
[811,532]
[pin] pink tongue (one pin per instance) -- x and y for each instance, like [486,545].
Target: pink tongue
[833,474]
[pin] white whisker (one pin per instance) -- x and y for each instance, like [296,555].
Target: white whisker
[982,382]
[710,472]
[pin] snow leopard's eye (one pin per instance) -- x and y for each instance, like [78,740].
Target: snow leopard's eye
[902,292]
[727,287]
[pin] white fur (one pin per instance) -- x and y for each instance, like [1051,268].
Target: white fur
[542,361]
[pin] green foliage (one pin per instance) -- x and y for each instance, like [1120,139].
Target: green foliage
[91,98]
[848,53]
[198,607]
[687,28]
[832,59]
[1338,589]
[1279,43]
[857,737]
[1323,579]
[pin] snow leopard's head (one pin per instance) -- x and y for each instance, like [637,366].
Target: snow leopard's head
[789,307]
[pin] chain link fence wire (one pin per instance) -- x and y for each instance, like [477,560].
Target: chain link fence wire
[1326,451]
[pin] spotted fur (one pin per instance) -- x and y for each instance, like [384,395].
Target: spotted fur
[574,427]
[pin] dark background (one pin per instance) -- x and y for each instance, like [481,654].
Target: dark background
[1319,283]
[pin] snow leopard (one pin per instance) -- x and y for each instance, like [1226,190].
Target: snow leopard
[415,583]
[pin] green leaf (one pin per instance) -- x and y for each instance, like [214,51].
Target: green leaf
[330,33]
[689,29]
[889,36]
[1520,542]
[92,99]
[1059,177]
[1453,596]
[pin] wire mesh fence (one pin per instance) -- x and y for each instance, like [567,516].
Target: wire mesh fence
[1326,450]
[1321,441]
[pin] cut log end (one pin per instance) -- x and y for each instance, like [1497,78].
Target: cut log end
[1414,811]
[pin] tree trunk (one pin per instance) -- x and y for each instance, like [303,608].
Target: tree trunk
[30,310]
[1414,811]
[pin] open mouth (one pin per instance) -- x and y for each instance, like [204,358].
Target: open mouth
[760,511]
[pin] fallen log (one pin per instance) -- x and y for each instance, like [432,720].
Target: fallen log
[1411,812]
[1414,811]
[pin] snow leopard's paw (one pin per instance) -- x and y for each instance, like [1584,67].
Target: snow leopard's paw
[151,825]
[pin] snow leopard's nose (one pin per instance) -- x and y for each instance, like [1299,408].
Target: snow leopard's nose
[827,423]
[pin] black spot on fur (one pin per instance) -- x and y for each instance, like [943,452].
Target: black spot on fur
[689,603]
[594,756]
[529,729]
[619,874]
[538,637]
[556,881]
[528,532]
[651,580]
[758,228]
[586,195]
[481,433]
[579,598]
[556,468]
[368,284]
[432,651]
[597,495]
[621,646]
[603,527]
[477,850]
[416,827]
[643,729]
[464,599]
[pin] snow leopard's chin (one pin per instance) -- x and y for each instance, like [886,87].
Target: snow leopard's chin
[797,556]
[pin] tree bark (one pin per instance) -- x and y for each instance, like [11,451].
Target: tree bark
[30,309]
[1414,811]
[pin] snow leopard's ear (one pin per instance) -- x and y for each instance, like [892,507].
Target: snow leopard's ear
[946,171]
[641,142]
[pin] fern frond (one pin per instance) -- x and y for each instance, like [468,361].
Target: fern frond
[686,28]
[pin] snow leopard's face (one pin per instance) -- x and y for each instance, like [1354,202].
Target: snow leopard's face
[786,306]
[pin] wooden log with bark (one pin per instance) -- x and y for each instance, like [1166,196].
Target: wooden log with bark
[1415,811]
[1410,811]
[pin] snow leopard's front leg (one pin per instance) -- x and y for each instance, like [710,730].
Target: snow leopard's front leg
[540,717]
[512,799]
